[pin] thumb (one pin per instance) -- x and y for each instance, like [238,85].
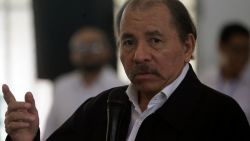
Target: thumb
[30,99]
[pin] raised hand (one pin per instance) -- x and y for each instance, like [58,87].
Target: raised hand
[21,118]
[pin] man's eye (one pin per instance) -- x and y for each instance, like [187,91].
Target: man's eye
[155,40]
[127,43]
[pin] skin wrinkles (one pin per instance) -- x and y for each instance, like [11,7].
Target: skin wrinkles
[151,51]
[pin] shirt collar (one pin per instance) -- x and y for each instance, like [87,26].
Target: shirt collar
[167,91]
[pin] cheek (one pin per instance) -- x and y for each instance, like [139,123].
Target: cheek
[126,58]
[122,57]
[171,62]
[171,58]
[127,62]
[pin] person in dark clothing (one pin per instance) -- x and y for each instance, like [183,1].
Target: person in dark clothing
[165,100]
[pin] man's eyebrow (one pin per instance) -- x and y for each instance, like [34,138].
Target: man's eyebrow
[126,35]
[153,33]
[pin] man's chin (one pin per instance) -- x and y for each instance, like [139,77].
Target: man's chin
[141,78]
[145,86]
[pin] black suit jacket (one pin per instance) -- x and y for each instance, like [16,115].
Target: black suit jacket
[193,112]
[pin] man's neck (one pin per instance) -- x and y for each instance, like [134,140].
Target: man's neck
[89,78]
[144,99]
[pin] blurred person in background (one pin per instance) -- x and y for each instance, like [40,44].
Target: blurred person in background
[232,76]
[89,53]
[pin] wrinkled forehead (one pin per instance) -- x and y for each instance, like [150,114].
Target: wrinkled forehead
[144,4]
[153,10]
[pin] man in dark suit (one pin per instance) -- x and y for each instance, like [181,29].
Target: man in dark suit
[165,100]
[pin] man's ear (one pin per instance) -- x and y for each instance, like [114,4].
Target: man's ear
[189,46]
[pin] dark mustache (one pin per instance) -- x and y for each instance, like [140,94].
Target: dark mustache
[143,68]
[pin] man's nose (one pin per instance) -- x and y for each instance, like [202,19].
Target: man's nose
[142,53]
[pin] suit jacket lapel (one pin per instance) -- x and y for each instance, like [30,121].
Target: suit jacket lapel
[182,104]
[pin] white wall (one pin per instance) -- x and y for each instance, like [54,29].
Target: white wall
[17,58]
[212,14]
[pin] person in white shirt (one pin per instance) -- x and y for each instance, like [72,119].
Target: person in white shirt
[165,101]
[232,76]
[89,53]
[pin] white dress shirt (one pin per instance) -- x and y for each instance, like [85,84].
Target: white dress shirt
[137,116]
[70,92]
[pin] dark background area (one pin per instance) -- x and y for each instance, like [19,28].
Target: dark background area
[56,20]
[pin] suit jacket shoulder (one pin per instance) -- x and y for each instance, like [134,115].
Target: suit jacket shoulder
[89,122]
[196,112]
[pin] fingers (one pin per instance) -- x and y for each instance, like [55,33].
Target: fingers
[18,120]
[14,105]
[8,96]
[13,126]
[30,99]
[19,116]
[18,106]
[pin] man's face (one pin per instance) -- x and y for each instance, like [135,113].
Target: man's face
[89,52]
[150,48]
[235,54]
